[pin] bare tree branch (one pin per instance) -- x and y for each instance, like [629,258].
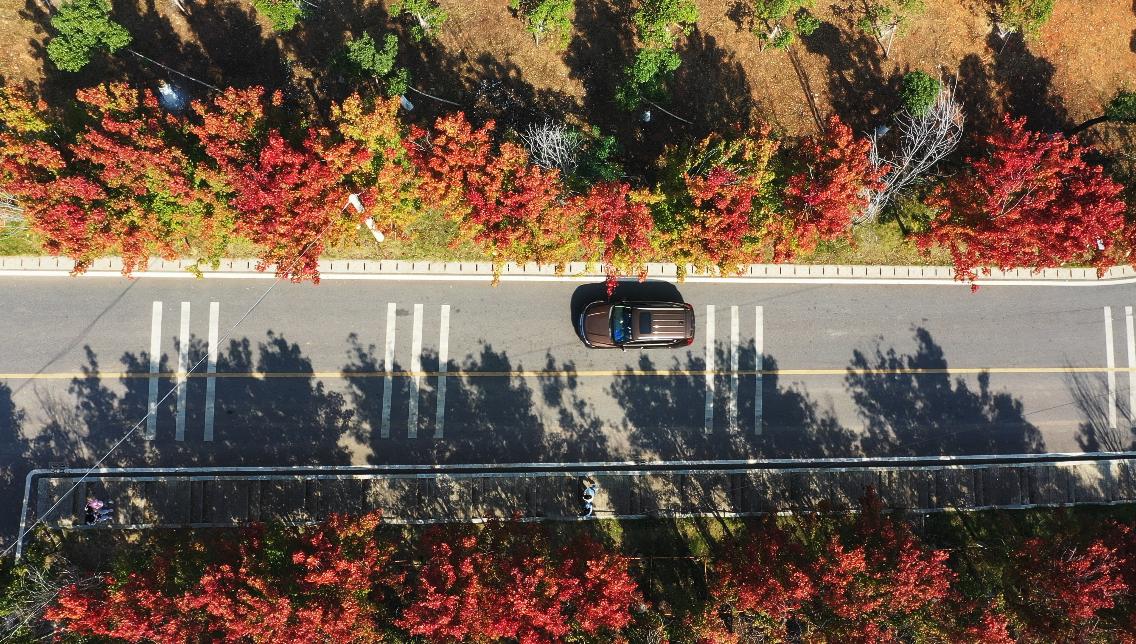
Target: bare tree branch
[925,140]
[553,145]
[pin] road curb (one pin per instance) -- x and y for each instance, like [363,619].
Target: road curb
[576,271]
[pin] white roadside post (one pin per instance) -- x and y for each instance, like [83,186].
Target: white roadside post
[353,202]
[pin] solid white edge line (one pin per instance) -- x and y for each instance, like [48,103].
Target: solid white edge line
[155,366]
[183,364]
[443,367]
[708,411]
[415,367]
[759,365]
[211,368]
[428,277]
[1129,327]
[1110,362]
[388,366]
[733,407]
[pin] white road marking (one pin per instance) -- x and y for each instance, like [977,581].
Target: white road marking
[211,368]
[759,364]
[1110,362]
[155,364]
[733,406]
[443,359]
[388,366]
[183,364]
[416,368]
[1131,365]
[708,418]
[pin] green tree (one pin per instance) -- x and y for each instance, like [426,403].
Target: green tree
[284,14]
[884,19]
[428,17]
[547,18]
[84,26]
[771,21]
[363,58]
[1025,16]
[919,91]
[658,24]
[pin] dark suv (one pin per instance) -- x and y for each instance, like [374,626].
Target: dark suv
[631,325]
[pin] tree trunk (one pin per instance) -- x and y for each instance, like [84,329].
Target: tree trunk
[1085,125]
[1095,121]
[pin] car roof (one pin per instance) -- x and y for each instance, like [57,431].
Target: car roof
[668,322]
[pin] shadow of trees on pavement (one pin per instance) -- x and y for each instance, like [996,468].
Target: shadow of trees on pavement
[933,413]
[489,415]
[1096,433]
[664,415]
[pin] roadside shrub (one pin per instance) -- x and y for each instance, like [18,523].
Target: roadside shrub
[918,92]
[658,24]
[551,18]
[807,23]
[365,59]
[284,14]
[84,26]
[428,17]
[1027,17]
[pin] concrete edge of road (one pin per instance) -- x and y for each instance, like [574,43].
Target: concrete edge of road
[372,269]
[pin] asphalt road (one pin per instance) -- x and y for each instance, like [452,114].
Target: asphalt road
[301,379]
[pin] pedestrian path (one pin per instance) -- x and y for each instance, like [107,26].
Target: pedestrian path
[200,497]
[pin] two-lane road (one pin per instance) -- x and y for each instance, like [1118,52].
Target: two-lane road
[381,372]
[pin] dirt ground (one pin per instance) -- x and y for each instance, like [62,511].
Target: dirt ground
[485,62]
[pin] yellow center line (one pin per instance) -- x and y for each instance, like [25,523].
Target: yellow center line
[564,373]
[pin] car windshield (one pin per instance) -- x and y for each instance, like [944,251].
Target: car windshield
[620,324]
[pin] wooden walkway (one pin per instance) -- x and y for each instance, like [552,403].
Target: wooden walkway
[229,497]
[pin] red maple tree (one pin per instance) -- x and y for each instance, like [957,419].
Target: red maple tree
[119,183]
[882,582]
[1033,201]
[1061,586]
[516,210]
[617,227]
[765,578]
[506,583]
[389,183]
[448,158]
[711,210]
[289,198]
[333,592]
[823,197]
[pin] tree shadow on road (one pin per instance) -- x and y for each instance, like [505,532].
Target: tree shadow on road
[664,415]
[915,414]
[490,415]
[1095,433]
[282,420]
[14,464]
